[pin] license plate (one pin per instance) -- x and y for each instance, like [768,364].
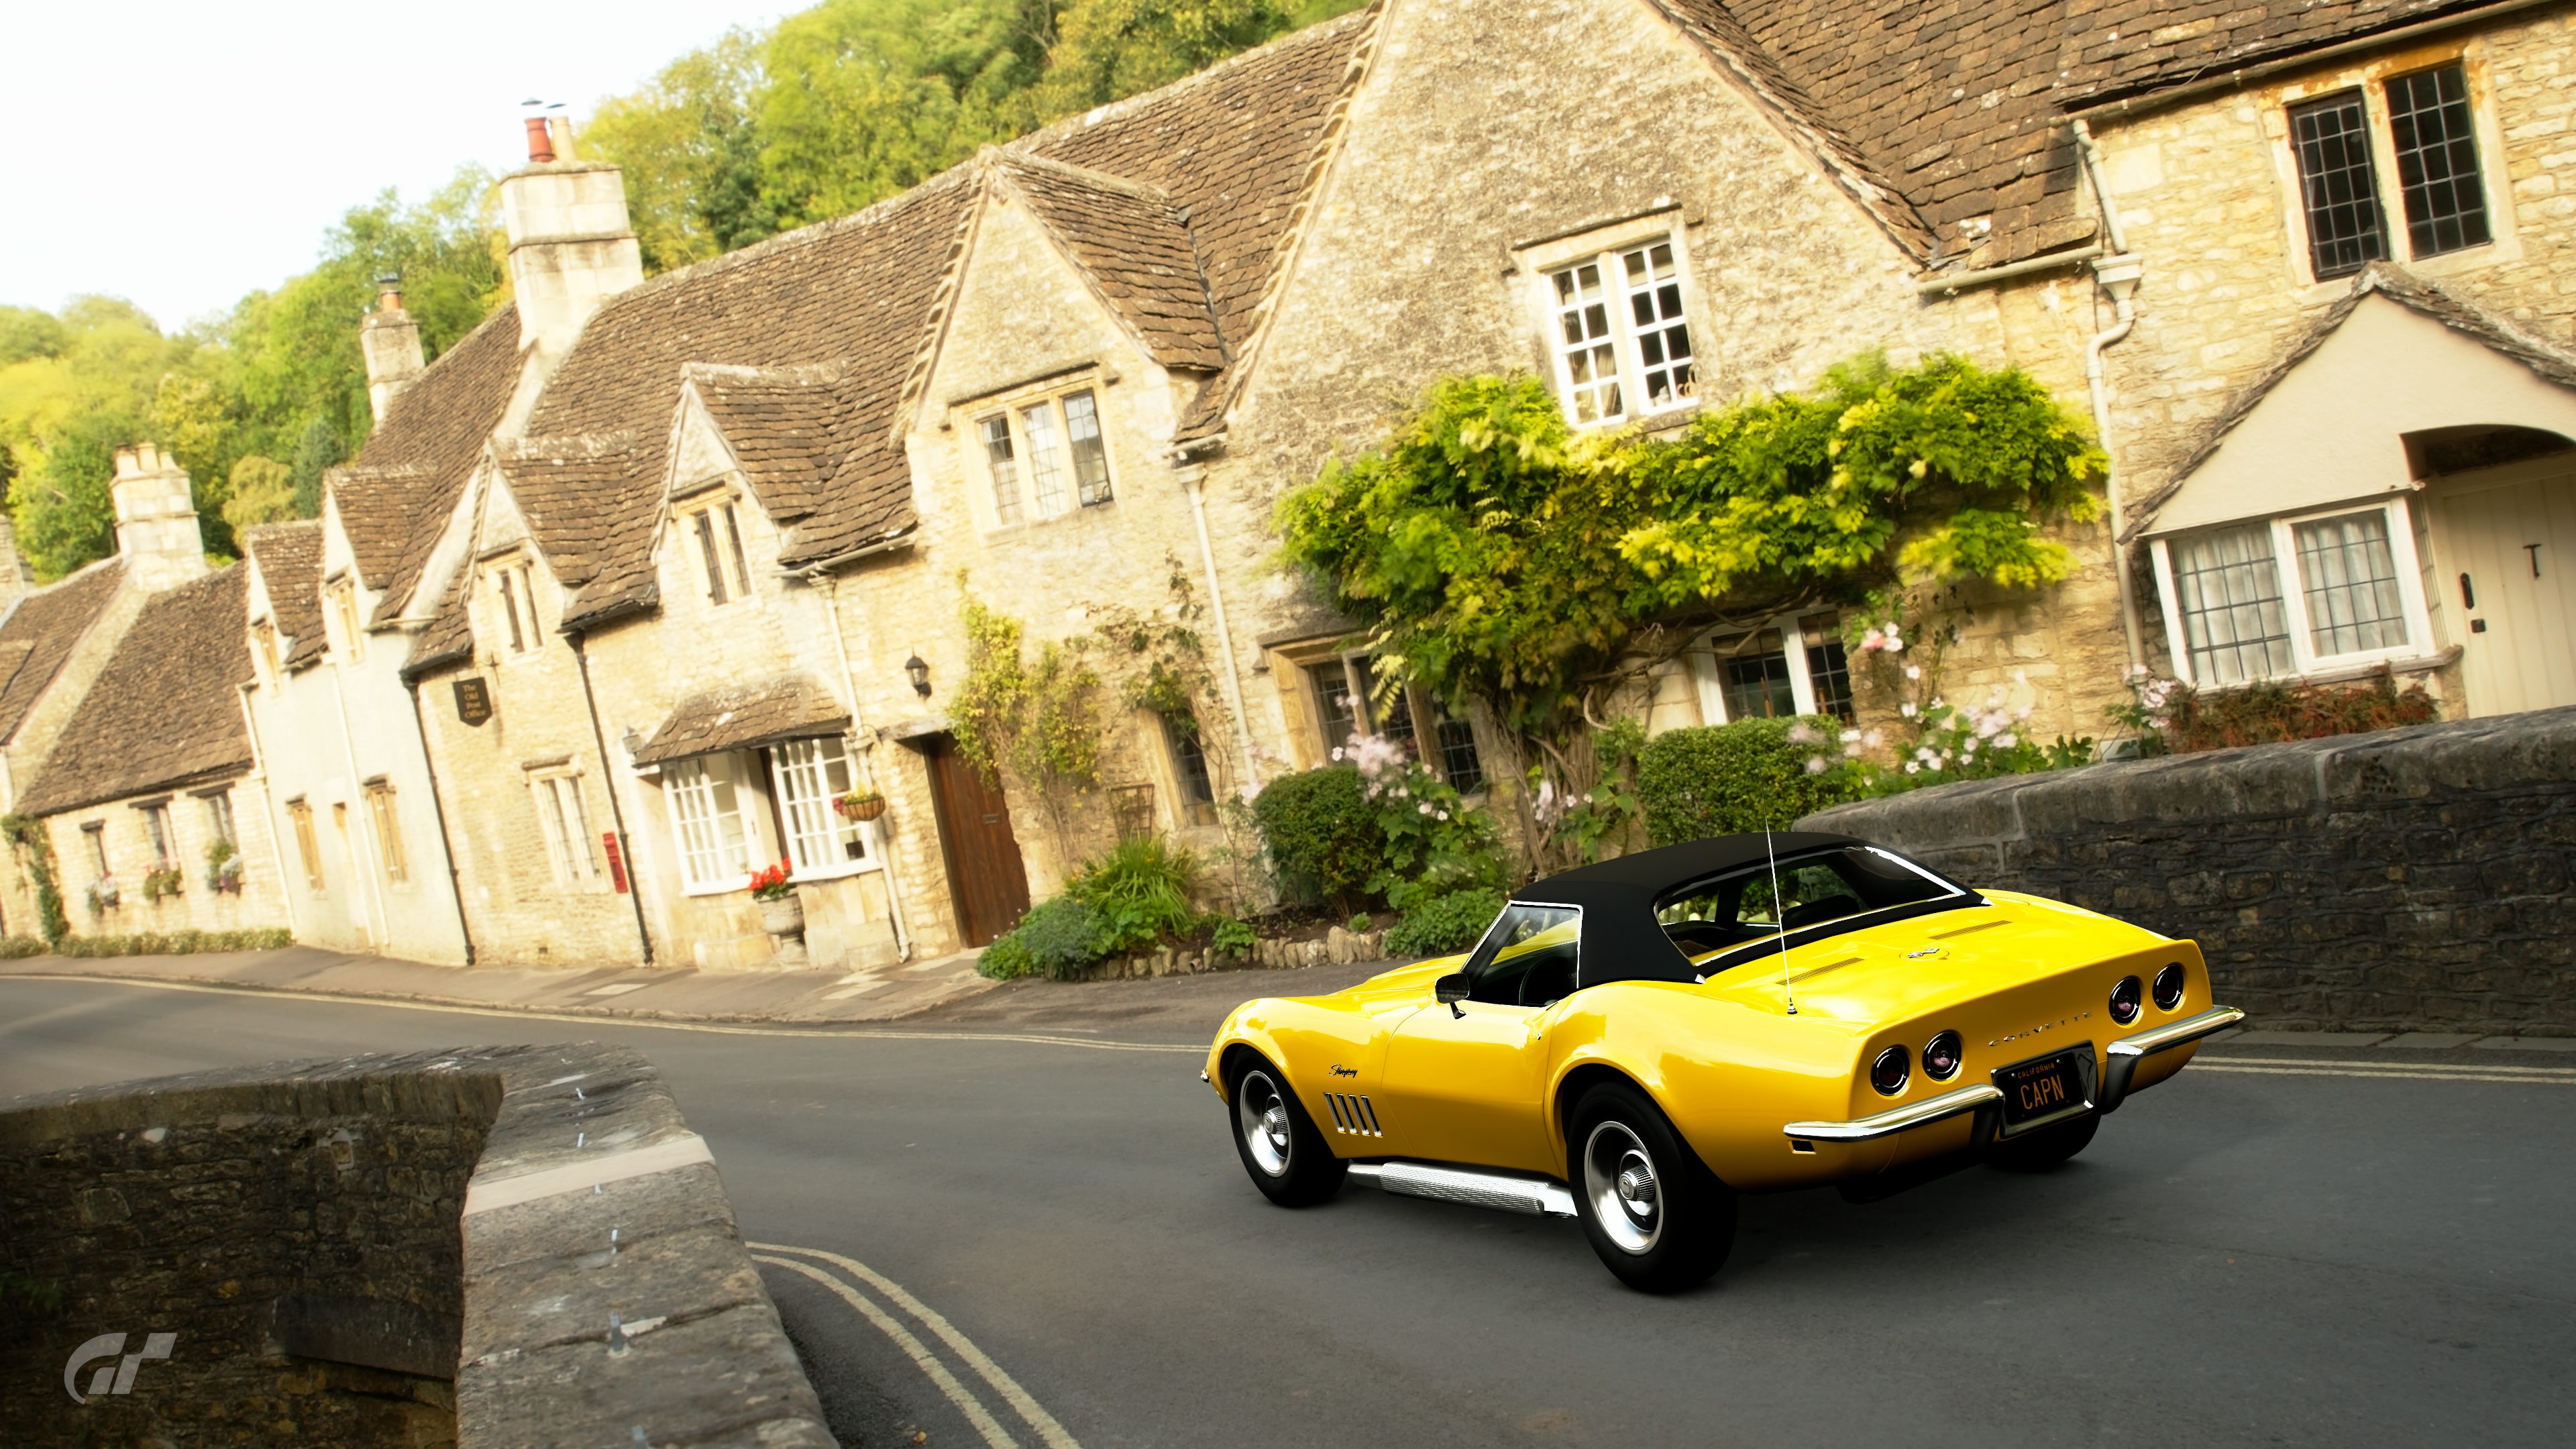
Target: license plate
[2048,1087]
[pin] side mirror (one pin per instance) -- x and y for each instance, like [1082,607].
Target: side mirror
[1449,990]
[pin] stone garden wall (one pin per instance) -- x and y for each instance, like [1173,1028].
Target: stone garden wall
[389,1250]
[2408,879]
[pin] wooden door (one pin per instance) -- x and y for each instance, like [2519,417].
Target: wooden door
[2512,556]
[985,876]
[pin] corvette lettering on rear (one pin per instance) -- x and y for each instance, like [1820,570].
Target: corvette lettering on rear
[2031,1031]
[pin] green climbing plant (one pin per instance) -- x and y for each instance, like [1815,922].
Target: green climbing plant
[34,851]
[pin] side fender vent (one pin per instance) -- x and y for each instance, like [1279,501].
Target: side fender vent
[1353,1116]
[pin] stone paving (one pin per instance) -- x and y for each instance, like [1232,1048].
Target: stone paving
[881,993]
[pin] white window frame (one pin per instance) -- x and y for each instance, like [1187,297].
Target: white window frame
[344,603]
[799,808]
[2399,514]
[514,591]
[692,783]
[1626,340]
[1045,485]
[582,869]
[722,508]
[1712,686]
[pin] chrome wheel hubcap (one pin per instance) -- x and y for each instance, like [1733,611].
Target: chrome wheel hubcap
[1619,1183]
[1261,1114]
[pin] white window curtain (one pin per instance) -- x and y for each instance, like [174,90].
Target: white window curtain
[2227,588]
[2349,574]
[809,774]
[705,797]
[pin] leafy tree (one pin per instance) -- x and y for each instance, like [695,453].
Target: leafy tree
[1491,552]
[26,332]
[690,153]
[262,490]
[1107,50]
[65,517]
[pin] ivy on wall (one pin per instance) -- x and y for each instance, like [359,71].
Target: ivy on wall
[1491,552]
[35,854]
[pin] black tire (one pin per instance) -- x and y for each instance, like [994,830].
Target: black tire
[1281,1148]
[2046,1148]
[1657,1217]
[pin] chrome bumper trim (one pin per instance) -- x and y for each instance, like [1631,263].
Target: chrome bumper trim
[1897,1119]
[2125,1054]
[2174,1034]
[1507,1192]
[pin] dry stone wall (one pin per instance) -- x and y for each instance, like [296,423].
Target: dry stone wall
[2410,879]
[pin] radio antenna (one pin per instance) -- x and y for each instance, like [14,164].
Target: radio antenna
[1780,915]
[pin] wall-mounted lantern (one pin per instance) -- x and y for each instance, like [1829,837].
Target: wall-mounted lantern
[918,671]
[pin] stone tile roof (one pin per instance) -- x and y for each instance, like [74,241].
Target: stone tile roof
[163,714]
[289,556]
[395,499]
[2386,279]
[854,292]
[1136,246]
[742,717]
[40,633]
[785,426]
[1235,148]
[1958,107]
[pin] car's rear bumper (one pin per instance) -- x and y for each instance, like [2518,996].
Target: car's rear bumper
[2125,1056]
[2129,1051]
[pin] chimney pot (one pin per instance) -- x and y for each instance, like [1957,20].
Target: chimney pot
[559,132]
[541,142]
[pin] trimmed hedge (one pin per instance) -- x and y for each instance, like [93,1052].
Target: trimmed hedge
[1454,922]
[1323,834]
[152,943]
[1732,778]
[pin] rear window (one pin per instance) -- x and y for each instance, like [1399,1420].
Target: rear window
[1840,888]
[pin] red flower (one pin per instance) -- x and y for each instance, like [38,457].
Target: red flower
[771,884]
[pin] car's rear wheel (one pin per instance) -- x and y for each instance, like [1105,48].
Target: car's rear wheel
[1279,1144]
[1657,1217]
[2041,1150]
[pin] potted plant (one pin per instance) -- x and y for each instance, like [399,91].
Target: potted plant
[863,803]
[161,882]
[102,895]
[224,868]
[781,913]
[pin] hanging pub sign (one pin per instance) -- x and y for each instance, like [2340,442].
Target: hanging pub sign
[473,700]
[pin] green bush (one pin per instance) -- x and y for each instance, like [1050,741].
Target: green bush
[171,943]
[1233,938]
[1450,923]
[1140,893]
[1732,778]
[1060,937]
[18,948]
[1007,959]
[1323,833]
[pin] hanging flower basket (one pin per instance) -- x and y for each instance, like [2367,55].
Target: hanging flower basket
[861,804]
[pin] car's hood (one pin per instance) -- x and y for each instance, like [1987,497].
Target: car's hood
[1906,968]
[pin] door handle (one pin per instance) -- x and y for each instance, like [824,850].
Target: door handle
[2468,593]
[2533,549]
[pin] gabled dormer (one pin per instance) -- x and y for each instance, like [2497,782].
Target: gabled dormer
[285,599]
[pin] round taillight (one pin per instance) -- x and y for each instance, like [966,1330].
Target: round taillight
[1889,1071]
[1941,1057]
[2169,987]
[2124,1000]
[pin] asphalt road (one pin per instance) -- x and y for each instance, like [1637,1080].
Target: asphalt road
[2330,1255]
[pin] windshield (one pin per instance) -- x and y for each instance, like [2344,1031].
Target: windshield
[1845,887]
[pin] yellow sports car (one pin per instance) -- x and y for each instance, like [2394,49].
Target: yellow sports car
[1635,1042]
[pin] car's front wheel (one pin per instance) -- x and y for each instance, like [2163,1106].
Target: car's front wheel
[2041,1150]
[1658,1218]
[1279,1144]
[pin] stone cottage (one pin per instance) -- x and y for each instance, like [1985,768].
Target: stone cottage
[151,798]
[643,581]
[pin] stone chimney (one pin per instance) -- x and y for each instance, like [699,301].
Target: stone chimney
[16,577]
[570,245]
[391,341]
[156,518]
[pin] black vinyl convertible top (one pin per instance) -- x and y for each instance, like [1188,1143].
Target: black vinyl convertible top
[1622,941]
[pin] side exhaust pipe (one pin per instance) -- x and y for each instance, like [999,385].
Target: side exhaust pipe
[1502,1191]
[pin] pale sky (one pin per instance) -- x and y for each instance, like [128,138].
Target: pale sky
[181,154]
